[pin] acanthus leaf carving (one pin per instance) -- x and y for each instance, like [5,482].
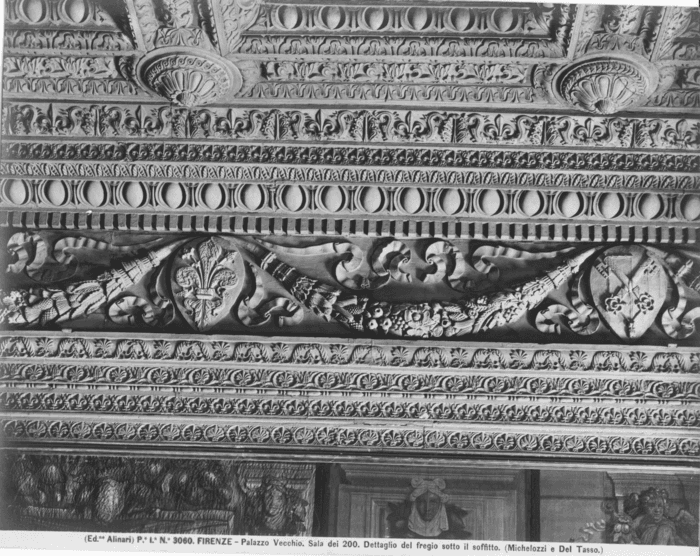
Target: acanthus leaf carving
[660,368]
[187,37]
[388,258]
[179,13]
[626,28]
[72,40]
[238,16]
[483,258]
[469,411]
[589,23]
[375,126]
[408,73]
[73,67]
[679,35]
[146,20]
[356,269]
[399,46]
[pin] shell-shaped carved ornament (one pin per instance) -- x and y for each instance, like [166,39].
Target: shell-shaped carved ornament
[188,77]
[606,85]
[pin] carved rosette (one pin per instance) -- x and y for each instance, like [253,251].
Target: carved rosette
[605,86]
[190,77]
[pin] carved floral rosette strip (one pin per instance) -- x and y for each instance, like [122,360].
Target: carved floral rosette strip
[339,156]
[253,436]
[540,382]
[489,414]
[233,388]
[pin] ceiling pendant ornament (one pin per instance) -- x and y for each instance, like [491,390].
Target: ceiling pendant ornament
[188,77]
[605,86]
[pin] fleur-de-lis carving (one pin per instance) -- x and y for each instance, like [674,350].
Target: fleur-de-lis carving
[205,280]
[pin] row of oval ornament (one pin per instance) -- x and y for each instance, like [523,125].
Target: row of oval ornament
[369,199]
[381,18]
[40,11]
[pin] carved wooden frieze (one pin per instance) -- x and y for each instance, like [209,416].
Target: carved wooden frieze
[156,495]
[232,284]
[303,227]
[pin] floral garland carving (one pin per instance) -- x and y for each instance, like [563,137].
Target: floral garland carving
[115,404]
[342,156]
[348,438]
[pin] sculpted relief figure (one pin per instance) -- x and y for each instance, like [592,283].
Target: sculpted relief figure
[426,513]
[273,508]
[646,520]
